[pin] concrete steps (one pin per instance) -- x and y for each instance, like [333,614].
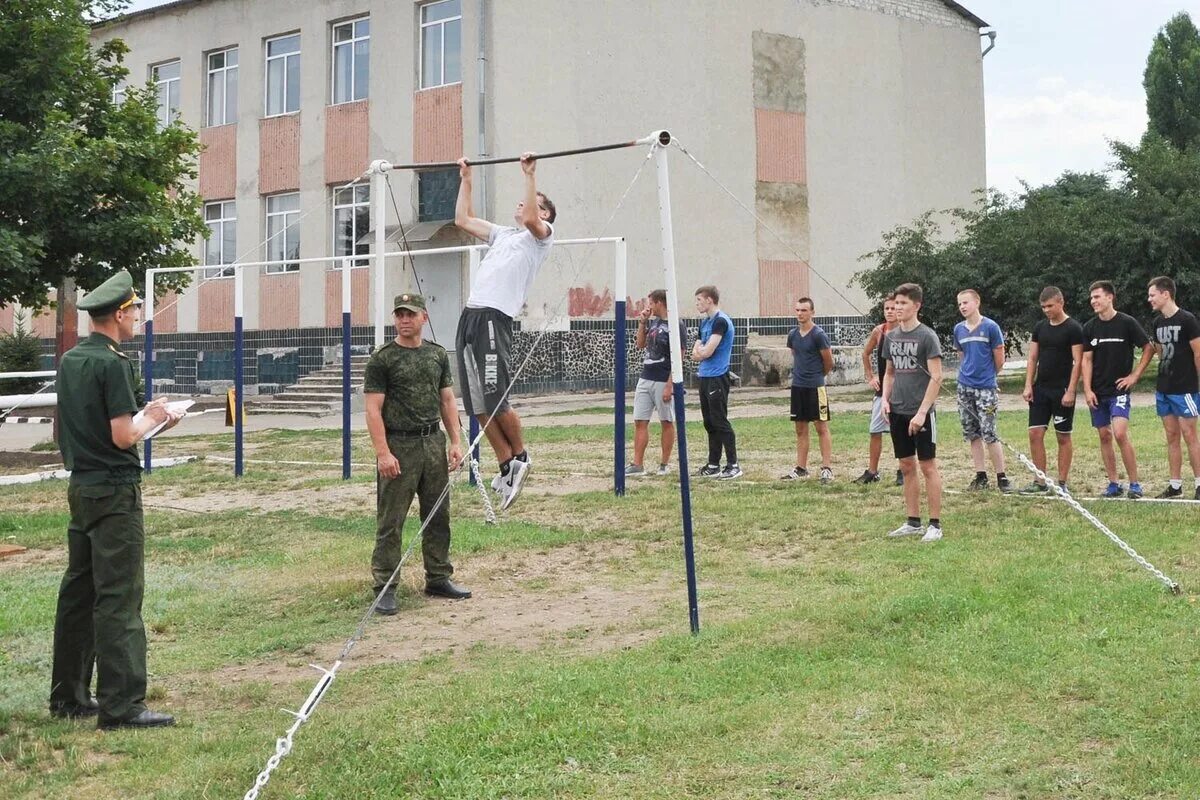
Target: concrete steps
[318,393]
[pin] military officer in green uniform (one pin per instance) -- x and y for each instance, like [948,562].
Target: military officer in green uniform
[99,617]
[408,388]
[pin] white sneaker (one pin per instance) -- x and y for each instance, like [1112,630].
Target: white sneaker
[826,475]
[908,530]
[730,472]
[511,487]
[932,533]
[663,469]
[498,484]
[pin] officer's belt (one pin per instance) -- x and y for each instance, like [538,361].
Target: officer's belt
[415,433]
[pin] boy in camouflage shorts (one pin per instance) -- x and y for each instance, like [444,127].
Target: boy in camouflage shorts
[981,343]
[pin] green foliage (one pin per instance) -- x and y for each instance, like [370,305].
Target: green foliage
[86,185]
[1172,81]
[1081,228]
[20,351]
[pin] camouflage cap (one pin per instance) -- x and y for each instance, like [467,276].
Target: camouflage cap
[115,293]
[413,302]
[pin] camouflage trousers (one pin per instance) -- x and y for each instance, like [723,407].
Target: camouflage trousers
[424,473]
[977,410]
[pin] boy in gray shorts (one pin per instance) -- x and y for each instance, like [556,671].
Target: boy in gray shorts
[653,391]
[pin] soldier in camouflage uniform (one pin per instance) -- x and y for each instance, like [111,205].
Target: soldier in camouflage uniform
[99,617]
[408,388]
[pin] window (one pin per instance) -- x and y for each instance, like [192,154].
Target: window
[222,87]
[351,60]
[441,43]
[221,246]
[437,191]
[118,94]
[351,221]
[166,82]
[283,232]
[283,75]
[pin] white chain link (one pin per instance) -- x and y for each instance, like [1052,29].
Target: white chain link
[489,513]
[1065,495]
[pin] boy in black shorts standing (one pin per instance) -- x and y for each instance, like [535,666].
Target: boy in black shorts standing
[910,388]
[1051,381]
[812,360]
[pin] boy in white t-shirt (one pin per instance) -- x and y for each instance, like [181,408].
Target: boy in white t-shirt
[484,338]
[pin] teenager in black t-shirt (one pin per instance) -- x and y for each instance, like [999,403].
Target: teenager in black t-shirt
[1109,339]
[1051,379]
[1177,340]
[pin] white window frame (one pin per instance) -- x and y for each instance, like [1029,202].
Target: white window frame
[361,260]
[166,119]
[277,244]
[334,44]
[119,94]
[228,216]
[267,59]
[441,81]
[228,115]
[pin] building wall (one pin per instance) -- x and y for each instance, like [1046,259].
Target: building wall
[887,106]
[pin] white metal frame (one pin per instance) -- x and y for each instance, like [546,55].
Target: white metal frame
[223,72]
[361,260]
[285,263]
[442,54]
[334,44]
[164,120]
[284,57]
[220,269]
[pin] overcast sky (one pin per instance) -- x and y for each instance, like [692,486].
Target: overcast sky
[1066,76]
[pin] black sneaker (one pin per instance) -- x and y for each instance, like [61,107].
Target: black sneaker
[1005,485]
[795,474]
[730,472]
[1198,493]
[709,471]
[899,477]
[1034,488]
[866,477]
[979,484]
[1170,493]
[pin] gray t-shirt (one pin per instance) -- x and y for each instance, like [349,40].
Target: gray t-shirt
[908,353]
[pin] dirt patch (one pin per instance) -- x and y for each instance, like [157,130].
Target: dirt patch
[350,497]
[17,462]
[56,557]
[568,597]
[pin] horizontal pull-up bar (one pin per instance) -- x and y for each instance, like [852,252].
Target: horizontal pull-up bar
[658,137]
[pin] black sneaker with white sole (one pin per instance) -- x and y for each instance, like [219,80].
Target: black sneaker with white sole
[709,471]
[730,472]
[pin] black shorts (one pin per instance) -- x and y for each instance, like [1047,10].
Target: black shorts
[484,345]
[923,445]
[1047,409]
[810,405]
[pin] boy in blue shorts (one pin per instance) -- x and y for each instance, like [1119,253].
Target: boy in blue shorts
[1109,339]
[1177,340]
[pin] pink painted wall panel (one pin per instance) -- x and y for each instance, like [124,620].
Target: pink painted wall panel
[166,320]
[216,305]
[218,162]
[43,323]
[279,301]
[780,285]
[360,297]
[347,141]
[7,322]
[780,144]
[279,154]
[437,124]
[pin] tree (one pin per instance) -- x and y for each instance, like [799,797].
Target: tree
[87,185]
[1172,81]
[20,351]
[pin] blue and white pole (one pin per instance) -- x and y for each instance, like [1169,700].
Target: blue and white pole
[346,266]
[685,489]
[148,353]
[239,369]
[620,289]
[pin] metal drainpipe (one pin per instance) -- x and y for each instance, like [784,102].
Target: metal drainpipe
[485,196]
[989,34]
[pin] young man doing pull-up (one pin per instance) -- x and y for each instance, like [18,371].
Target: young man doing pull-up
[498,292]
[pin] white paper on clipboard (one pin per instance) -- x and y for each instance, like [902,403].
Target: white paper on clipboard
[178,407]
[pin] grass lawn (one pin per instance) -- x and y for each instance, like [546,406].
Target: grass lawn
[1024,656]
